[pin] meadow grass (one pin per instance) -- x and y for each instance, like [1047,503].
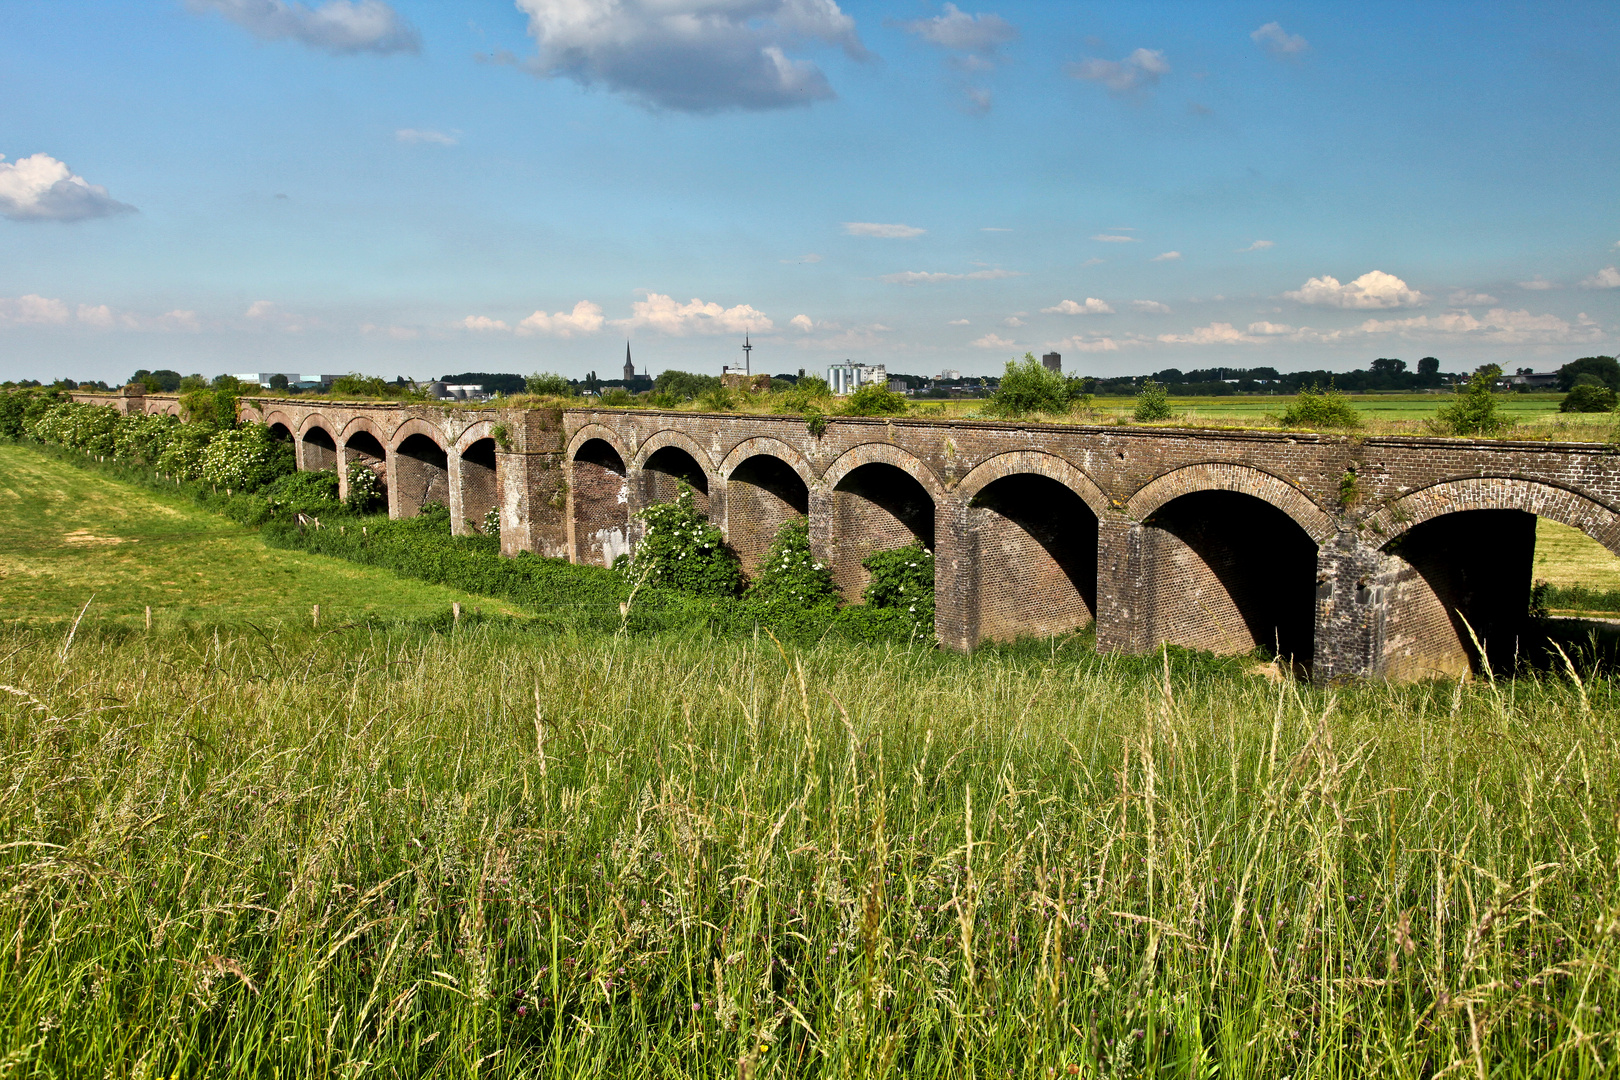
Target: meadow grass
[500,853]
[68,533]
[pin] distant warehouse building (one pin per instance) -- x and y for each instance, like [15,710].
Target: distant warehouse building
[280,380]
[848,377]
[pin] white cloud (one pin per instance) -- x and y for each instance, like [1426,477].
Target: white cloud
[32,310]
[992,341]
[586,318]
[802,322]
[1088,345]
[1538,285]
[993,228]
[1012,320]
[1464,298]
[983,33]
[1374,289]
[1271,329]
[1219,333]
[482,324]
[265,313]
[40,188]
[1259,245]
[1607,278]
[1152,307]
[1279,42]
[691,55]
[1140,69]
[1111,238]
[103,317]
[1092,306]
[337,26]
[1166,256]
[664,314]
[886,232]
[959,322]
[425,135]
[918,277]
[976,39]
[1498,326]
[395,333]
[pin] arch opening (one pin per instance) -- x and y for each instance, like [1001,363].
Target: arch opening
[763,493]
[280,432]
[663,473]
[1467,570]
[480,488]
[1033,546]
[320,449]
[601,501]
[876,507]
[421,475]
[1229,573]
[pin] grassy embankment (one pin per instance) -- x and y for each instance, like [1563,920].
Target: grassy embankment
[495,852]
[67,533]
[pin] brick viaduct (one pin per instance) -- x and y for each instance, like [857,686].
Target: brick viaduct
[1355,556]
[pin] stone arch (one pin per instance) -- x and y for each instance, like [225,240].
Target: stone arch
[883,454]
[1032,522]
[475,487]
[1227,561]
[765,446]
[362,442]
[1457,559]
[598,431]
[882,498]
[664,460]
[1037,463]
[419,468]
[1497,493]
[317,449]
[364,424]
[598,497]
[277,416]
[1243,479]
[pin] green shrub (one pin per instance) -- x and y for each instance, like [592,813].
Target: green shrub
[1474,412]
[182,453]
[548,383]
[718,399]
[210,406]
[1588,398]
[367,492]
[789,572]
[1152,403]
[807,393]
[617,397]
[874,400]
[678,386]
[1315,408]
[245,458]
[314,493]
[140,438]
[679,549]
[903,580]
[1028,387]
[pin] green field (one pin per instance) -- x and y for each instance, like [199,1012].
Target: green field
[67,534]
[393,851]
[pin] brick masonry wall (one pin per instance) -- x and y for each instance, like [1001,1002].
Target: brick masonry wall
[1034,552]
[1123,474]
[761,495]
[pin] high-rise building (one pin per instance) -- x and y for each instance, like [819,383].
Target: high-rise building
[1053,361]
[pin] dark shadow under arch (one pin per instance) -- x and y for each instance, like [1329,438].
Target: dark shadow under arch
[421,475]
[601,504]
[1227,572]
[763,493]
[876,507]
[478,481]
[1034,556]
[664,471]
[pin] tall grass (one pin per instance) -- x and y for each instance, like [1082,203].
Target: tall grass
[490,853]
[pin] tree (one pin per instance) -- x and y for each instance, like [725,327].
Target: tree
[1606,370]
[1152,403]
[1588,398]
[874,400]
[684,385]
[1428,367]
[548,382]
[1387,367]
[1474,412]
[1315,408]
[278,382]
[1028,387]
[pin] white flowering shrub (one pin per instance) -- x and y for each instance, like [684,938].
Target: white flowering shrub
[182,455]
[682,550]
[903,580]
[367,492]
[243,458]
[789,572]
[491,525]
[81,427]
[140,438]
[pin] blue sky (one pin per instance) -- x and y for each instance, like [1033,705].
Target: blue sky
[424,188]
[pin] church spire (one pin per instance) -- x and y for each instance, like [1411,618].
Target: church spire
[629,366]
